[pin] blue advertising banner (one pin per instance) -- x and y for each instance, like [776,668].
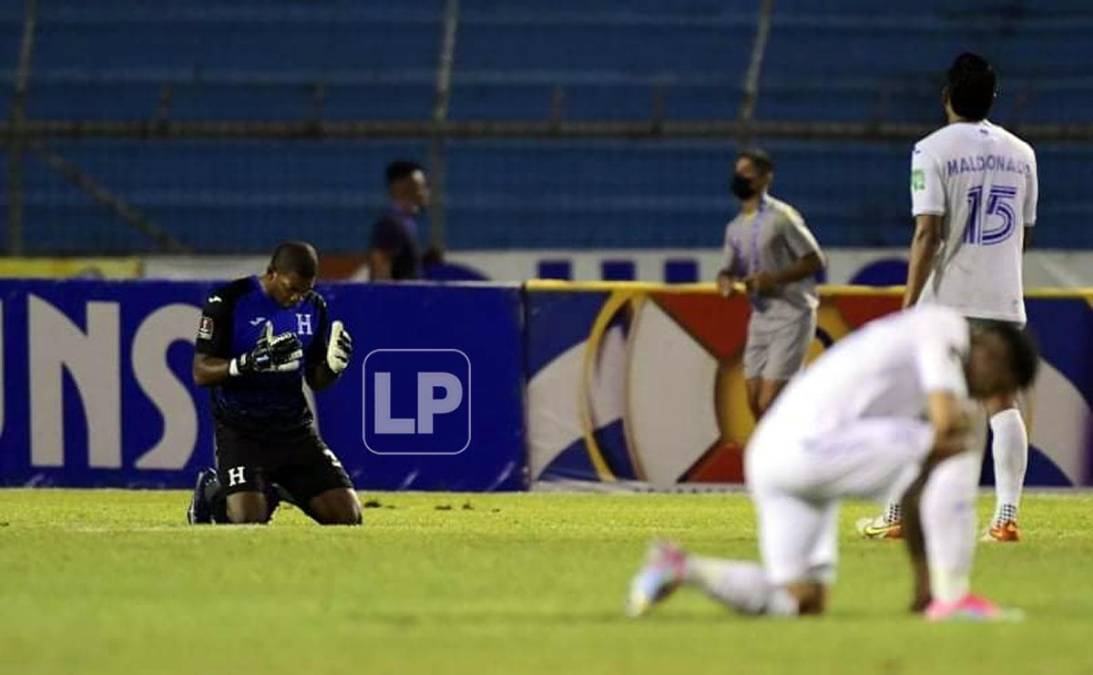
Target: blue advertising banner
[443,361]
[619,383]
[97,388]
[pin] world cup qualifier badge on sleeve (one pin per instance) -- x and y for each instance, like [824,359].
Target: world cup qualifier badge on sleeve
[416,401]
[918,180]
[205,328]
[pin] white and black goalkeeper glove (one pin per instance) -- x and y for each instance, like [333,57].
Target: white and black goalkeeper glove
[339,349]
[279,353]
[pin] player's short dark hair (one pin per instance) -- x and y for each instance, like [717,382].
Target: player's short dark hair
[759,158]
[972,85]
[1024,356]
[400,169]
[295,257]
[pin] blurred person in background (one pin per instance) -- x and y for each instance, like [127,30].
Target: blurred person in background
[772,256]
[395,251]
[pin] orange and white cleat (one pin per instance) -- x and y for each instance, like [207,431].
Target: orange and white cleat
[1004,531]
[880,528]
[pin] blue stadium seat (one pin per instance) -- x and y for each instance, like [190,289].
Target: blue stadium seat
[606,194]
[380,101]
[69,98]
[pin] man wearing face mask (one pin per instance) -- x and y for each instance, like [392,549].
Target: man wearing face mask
[772,256]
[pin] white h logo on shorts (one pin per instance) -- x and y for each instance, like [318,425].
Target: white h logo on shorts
[236,477]
[303,324]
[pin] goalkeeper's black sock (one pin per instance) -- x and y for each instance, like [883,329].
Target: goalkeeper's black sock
[217,501]
[275,494]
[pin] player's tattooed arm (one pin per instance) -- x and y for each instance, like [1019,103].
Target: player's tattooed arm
[923,248]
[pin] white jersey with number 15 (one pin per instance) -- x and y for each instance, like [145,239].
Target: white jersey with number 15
[982,180]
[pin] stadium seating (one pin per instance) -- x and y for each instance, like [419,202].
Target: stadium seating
[582,60]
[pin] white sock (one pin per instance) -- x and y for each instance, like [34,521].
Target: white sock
[740,585]
[948,521]
[1010,449]
[894,513]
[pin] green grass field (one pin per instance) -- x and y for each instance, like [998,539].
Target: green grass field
[115,582]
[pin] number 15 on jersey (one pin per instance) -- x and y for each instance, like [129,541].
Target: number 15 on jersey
[999,219]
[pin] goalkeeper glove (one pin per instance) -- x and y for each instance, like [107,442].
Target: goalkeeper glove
[339,349]
[271,354]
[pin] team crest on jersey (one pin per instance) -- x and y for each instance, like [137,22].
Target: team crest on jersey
[303,324]
[205,329]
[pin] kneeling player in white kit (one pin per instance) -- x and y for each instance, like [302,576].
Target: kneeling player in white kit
[852,426]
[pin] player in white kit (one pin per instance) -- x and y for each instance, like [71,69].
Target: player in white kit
[852,425]
[973,195]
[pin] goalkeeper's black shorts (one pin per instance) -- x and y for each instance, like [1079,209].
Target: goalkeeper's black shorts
[298,461]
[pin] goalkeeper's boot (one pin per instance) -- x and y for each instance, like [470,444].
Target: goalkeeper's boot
[971,608]
[201,503]
[657,579]
[275,494]
[880,527]
[209,504]
[1004,531]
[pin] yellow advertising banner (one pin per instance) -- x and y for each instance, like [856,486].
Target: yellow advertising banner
[70,268]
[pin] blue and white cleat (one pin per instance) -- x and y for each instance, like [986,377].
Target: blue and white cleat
[661,575]
[200,511]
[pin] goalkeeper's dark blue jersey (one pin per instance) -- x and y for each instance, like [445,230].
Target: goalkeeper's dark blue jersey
[232,321]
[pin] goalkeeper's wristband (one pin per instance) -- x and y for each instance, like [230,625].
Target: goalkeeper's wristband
[241,365]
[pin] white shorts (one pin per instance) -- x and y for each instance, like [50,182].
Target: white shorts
[797,485]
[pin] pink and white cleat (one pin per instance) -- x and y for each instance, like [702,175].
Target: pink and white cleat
[661,574]
[971,608]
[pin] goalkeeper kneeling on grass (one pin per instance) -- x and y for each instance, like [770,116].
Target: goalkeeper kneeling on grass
[259,339]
